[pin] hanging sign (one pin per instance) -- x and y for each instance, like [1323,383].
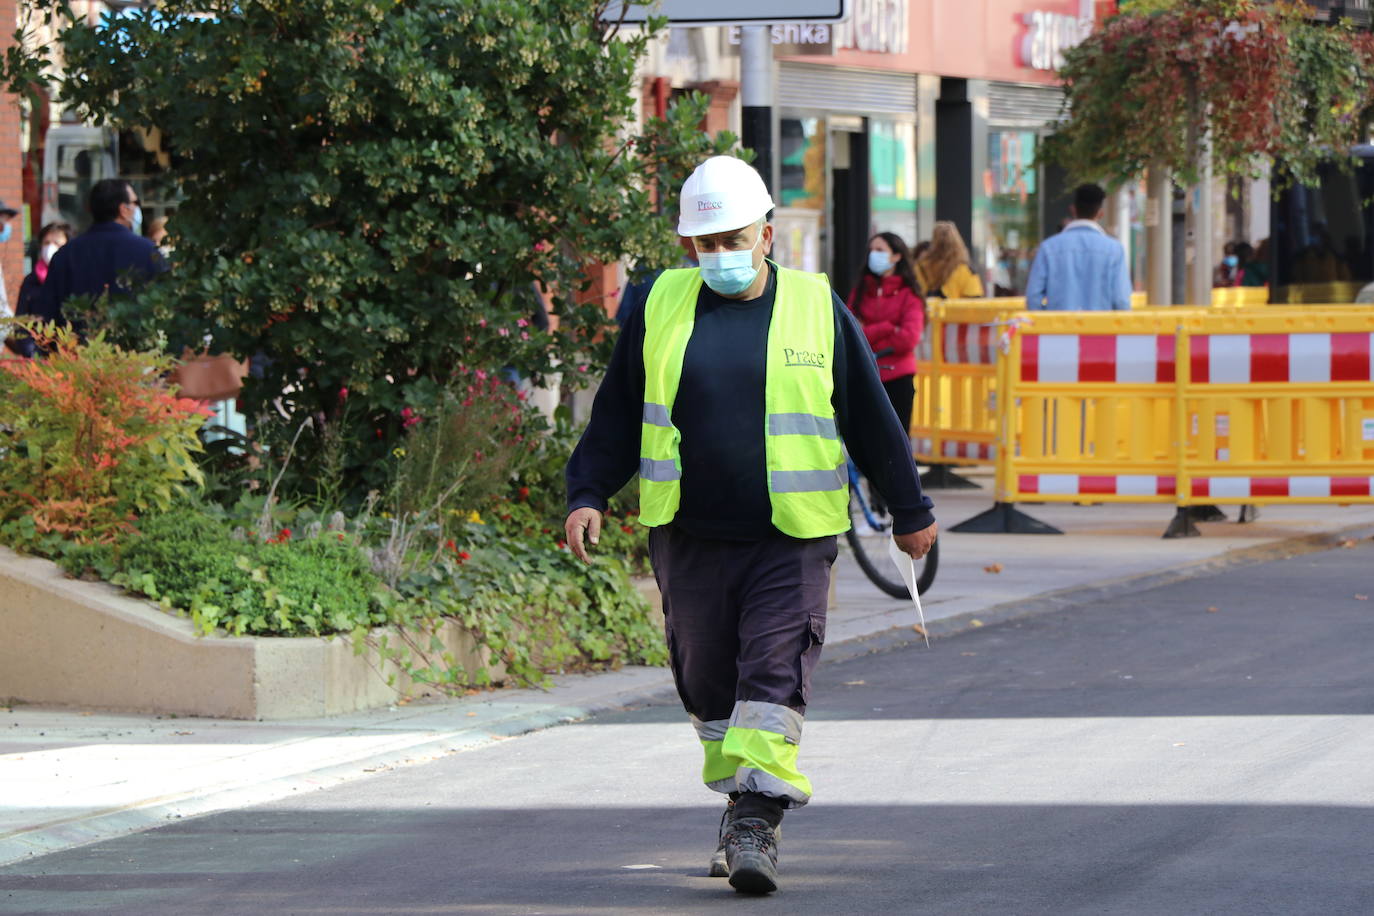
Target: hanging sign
[728,12]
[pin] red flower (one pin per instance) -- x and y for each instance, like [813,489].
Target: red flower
[284,534]
[449,545]
[627,529]
[464,555]
[524,492]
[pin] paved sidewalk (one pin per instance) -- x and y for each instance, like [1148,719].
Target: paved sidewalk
[69,777]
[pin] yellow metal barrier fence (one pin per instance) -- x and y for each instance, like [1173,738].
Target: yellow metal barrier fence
[1185,407]
[953,419]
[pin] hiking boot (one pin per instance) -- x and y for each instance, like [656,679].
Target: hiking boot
[718,867]
[751,850]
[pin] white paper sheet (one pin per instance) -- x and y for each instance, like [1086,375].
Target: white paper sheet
[906,568]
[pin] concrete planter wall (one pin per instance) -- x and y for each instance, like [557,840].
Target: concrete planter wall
[87,644]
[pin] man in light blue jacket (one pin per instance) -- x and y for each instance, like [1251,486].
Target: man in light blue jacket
[1081,268]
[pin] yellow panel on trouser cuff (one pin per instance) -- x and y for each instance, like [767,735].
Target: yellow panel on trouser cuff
[771,753]
[718,770]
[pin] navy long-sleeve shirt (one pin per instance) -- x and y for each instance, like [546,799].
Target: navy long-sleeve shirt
[94,262]
[720,412]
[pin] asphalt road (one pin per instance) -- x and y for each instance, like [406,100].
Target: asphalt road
[1205,747]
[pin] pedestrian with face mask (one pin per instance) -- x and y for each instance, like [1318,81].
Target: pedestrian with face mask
[7,215]
[729,393]
[110,257]
[887,301]
[52,237]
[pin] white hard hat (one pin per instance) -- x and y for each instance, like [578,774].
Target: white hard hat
[723,193]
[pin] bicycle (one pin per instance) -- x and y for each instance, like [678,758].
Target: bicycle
[877,566]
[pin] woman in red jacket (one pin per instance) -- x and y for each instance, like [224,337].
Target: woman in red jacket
[887,301]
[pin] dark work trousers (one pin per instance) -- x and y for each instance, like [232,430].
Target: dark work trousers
[902,393]
[745,622]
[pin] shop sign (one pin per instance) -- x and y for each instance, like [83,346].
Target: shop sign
[1050,34]
[876,26]
[792,39]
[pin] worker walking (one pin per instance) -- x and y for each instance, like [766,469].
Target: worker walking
[729,393]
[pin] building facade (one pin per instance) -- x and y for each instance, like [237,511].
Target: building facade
[908,113]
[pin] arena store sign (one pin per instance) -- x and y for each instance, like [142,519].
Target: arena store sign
[1049,35]
[876,26]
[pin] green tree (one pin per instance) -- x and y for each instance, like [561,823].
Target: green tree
[1258,81]
[370,188]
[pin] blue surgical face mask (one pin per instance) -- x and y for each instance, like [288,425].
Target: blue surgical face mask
[880,262]
[729,272]
[1230,260]
[5,233]
[138,220]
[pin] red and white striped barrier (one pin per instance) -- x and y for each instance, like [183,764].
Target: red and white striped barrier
[1132,359]
[1296,487]
[1239,359]
[1096,484]
[973,451]
[971,343]
[1215,359]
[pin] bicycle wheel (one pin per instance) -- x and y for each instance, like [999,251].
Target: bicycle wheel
[871,551]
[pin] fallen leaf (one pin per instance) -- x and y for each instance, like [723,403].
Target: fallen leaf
[968,653]
[183,733]
[1348,543]
[1180,744]
[1212,610]
[994,568]
[88,713]
[919,629]
[1361,597]
[472,714]
[855,683]
[975,622]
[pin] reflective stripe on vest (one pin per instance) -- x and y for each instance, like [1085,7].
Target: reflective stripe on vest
[807,480]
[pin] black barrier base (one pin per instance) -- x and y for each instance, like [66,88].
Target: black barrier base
[1004,518]
[1248,514]
[942,477]
[1182,526]
[1206,514]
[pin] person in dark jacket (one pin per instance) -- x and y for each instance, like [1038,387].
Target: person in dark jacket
[729,393]
[106,258]
[53,237]
[887,301]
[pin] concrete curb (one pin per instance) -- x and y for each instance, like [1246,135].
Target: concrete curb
[81,831]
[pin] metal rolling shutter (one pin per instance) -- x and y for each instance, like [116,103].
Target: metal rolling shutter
[838,89]
[1010,105]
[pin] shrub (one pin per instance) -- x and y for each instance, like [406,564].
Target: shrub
[287,586]
[466,448]
[372,207]
[91,437]
[533,604]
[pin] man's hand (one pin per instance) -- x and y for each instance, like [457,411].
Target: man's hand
[582,520]
[917,544]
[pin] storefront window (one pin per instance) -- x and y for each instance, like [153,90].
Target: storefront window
[1013,189]
[802,163]
[892,178]
[798,220]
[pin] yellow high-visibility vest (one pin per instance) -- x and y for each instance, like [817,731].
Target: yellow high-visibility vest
[808,485]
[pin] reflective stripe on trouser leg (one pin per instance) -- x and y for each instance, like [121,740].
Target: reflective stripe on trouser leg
[762,743]
[717,770]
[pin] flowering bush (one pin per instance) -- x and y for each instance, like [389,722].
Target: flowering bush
[465,446]
[1257,80]
[91,437]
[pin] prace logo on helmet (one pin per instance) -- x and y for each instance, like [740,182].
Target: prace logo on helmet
[723,194]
